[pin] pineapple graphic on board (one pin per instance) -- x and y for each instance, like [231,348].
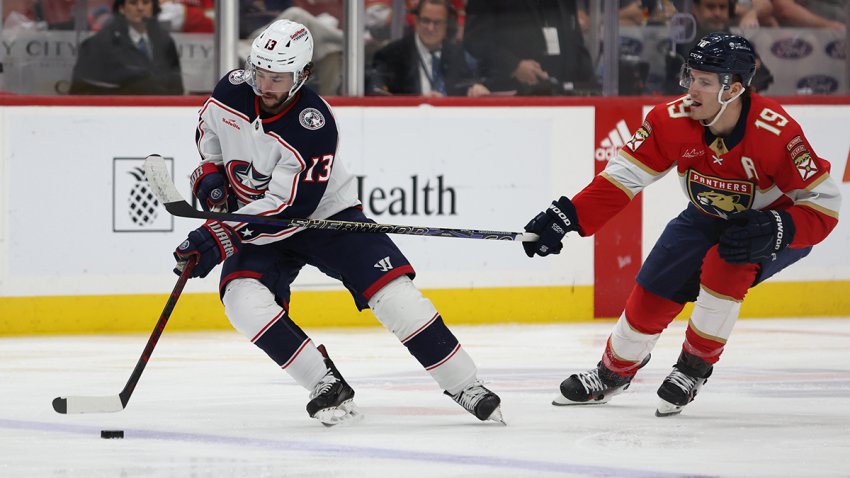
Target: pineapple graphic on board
[142,201]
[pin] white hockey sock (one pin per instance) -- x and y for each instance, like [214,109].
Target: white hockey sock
[253,312]
[714,315]
[628,344]
[307,367]
[403,310]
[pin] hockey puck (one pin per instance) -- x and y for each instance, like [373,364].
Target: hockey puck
[112,433]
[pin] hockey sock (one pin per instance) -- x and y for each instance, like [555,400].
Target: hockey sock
[402,309]
[252,310]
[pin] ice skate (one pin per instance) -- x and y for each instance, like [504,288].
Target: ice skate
[332,399]
[593,387]
[480,401]
[680,387]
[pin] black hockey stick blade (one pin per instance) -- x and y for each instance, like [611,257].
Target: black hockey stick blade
[116,403]
[160,181]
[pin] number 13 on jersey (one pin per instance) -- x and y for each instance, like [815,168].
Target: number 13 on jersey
[323,171]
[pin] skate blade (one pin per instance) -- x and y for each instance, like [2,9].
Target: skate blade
[496,416]
[667,409]
[346,413]
[562,401]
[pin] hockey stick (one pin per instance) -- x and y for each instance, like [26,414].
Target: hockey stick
[157,175]
[116,403]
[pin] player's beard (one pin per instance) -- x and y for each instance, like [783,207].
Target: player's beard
[273,103]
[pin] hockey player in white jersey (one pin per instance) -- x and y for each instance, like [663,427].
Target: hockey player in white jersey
[268,146]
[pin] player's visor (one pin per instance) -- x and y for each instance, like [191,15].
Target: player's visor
[265,81]
[707,83]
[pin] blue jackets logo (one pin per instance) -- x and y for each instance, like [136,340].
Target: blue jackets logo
[311,118]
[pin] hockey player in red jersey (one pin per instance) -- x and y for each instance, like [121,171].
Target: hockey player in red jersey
[268,146]
[760,198]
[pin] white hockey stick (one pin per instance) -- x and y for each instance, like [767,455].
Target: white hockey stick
[116,403]
[160,181]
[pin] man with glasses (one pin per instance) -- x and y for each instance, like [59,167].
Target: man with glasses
[760,198]
[427,62]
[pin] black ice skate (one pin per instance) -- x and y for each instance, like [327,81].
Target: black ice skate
[332,399]
[479,401]
[593,387]
[680,387]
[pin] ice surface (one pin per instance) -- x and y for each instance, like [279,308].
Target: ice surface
[210,404]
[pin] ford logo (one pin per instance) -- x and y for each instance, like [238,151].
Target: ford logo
[630,46]
[836,49]
[791,48]
[817,84]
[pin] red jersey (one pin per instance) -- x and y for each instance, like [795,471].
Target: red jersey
[765,163]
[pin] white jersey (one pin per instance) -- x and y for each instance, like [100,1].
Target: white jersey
[282,165]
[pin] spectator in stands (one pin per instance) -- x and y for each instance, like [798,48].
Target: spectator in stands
[20,15]
[711,16]
[131,55]
[257,14]
[460,8]
[68,14]
[753,14]
[535,48]
[811,13]
[188,16]
[427,62]
[633,13]
[326,74]
[334,8]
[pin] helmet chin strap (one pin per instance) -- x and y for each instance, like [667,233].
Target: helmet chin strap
[723,105]
[302,76]
[297,86]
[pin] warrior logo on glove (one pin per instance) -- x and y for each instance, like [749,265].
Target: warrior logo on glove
[212,243]
[756,236]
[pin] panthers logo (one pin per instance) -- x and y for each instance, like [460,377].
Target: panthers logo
[718,196]
[724,202]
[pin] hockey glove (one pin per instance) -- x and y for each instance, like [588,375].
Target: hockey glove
[756,236]
[212,243]
[551,225]
[209,185]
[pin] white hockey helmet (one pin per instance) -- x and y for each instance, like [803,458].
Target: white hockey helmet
[284,47]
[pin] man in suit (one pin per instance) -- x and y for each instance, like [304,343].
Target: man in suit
[426,62]
[532,46]
[711,16]
[131,55]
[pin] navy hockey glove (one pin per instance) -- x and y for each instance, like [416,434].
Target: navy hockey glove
[756,236]
[551,225]
[212,243]
[209,185]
